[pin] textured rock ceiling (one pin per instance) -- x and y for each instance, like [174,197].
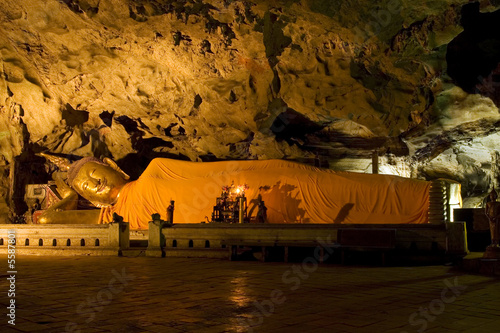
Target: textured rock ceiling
[417,82]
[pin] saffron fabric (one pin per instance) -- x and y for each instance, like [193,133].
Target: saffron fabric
[292,192]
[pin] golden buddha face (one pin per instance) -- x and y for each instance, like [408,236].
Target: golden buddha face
[98,183]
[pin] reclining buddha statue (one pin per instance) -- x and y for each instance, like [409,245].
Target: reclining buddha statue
[293,192]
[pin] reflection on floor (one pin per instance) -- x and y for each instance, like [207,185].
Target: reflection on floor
[125,294]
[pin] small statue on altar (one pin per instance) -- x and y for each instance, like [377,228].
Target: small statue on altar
[170,212]
[493,213]
[117,218]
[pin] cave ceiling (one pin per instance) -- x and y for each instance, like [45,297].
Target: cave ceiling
[416,82]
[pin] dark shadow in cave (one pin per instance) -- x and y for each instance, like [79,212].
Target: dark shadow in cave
[282,192]
[475,53]
[291,124]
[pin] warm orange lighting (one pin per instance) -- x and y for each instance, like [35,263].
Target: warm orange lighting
[240,293]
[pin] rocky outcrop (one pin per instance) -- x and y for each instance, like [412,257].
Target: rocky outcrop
[316,81]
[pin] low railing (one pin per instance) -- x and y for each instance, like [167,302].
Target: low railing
[215,240]
[65,239]
[218,240]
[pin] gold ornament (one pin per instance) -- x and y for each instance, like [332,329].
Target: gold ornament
[62,163]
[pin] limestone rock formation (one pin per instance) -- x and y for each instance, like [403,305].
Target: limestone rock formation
[318,81]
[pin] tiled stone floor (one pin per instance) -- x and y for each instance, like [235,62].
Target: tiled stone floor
[84,294]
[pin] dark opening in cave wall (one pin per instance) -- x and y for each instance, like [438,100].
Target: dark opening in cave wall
[473,57]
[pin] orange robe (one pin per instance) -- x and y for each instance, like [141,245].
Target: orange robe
[292,192]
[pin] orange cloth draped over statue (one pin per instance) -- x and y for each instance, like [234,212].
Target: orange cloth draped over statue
[292,192]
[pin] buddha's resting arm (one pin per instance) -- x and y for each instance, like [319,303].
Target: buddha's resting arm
[64,211]
[69,197]
[70,217]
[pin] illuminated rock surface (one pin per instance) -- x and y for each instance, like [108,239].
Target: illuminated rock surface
[207,80]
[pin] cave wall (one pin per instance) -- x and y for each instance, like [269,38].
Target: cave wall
[315,81]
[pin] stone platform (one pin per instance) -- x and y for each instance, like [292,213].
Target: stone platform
[174,295]
[476,263]
[222,240]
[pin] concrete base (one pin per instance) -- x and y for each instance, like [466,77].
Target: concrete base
[67,251]
[477,264]
[492,252]
[134,252]
[198,253]
[64,239]
[213,240]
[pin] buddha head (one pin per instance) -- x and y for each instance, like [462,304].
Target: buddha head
[98,181]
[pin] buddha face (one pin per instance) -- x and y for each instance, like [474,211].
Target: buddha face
[98,183]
